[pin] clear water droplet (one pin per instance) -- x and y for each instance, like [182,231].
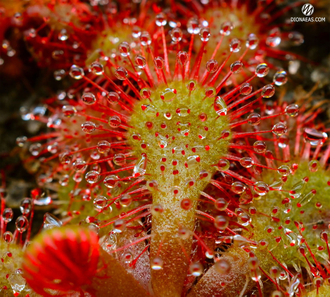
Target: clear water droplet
[176,35]
[7,215]
[246,89]
[25,206]
[103,146]
[50,221]
[124,49]
[235,45]
[140,61]
[296,38]
[259,147]
[96,68]
[222,266]
[21,140]
[88,98]
[119,226]
[8,237]
[274,37]
[79,165]
[254,119]
[252,41]
[64,180]
[168,95]
[261,188]
[119,159]
[182,57]
[314,137]
[92,177]
[100,203]
[313,166]
[292,110]
[114,121]
[161,20]
[17,281]
[221,222]
[121,73]
[193,26]
[280,78]
[221,204]
[88,127]
[220,106]
[35,149]
[125,200]
[157,263]
[113,97]
[212,66]
[76,72]
[238,187]
[68,111]
[246,162]
[268,91]
[279,129]
[284,170]
[226,28]
[145,39]
[63,35]
[205,34]
[236,67]
[262,70]
[21,224]
[196,269]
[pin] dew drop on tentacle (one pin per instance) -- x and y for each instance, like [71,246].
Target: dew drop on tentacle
[262,70]
[21,224]
[268,91]
[221,222]
[8,237]
[221,204]
[292,110]
[157,263]
[96,68]
[76,72]
[222,266]
[196,269]
[246,89]
[88,98]
[7,215]
[26,205]
[261,188]
[88,127]
[314,137]
[220,106]
[280,78]
[68,111]
[279,129]
[259,146]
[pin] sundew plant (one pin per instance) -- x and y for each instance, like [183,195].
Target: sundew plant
[173,159]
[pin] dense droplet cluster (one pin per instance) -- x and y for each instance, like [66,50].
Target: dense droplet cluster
[169,144]
[13,244]
[149,142]
[260,22]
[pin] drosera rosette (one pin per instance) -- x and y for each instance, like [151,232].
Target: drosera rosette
[12,54]
[287,252]
[68,261]
[77,31]
[60,32]
[121,22]
[151,142]
[15,234]
[261,21]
